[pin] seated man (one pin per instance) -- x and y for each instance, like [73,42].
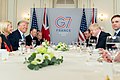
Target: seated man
[18,34]
[88,36]
[39,38]
[101,36]
[115,20]
[31,37]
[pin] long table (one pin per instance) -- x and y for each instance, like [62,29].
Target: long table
[76,66]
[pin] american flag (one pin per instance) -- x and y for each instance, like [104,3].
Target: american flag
[45,27]
[83,27]
[34,20]
[94,20]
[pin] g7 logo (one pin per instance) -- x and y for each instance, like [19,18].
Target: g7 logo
[62,22]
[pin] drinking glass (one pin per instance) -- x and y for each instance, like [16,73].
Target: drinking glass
[33,43]
[113,46]
[92,42]
[22,45]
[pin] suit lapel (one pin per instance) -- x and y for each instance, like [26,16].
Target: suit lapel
[118,33]
[19,35]
[100,36]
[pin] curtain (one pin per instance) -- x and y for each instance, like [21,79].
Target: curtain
[3,9]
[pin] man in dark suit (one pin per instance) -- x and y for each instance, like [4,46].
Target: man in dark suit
[31,37]
[101,36]
[89,36]
[115,20]
[18,34]
[39,38]
[102,40]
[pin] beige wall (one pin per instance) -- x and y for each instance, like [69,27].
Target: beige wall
[105,7]
[18,8]
[3,9]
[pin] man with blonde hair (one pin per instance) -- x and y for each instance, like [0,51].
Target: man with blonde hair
[101,35]
[18,34]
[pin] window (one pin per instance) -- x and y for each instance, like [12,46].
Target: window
[65,3]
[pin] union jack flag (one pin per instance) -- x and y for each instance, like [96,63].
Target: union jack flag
[45,27]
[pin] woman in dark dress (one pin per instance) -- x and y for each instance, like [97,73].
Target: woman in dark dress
[5,29]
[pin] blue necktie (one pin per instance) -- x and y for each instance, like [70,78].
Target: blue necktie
[23,36]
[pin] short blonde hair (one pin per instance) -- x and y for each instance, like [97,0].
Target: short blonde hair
[22,21]
[4,25]
[94,26]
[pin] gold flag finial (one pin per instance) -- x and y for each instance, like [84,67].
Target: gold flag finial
[93,5]
[34,5]
[45,5]
[83,5]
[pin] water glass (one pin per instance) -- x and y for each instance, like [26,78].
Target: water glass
[93,43]
[113,46]
[33,43]
[22,45]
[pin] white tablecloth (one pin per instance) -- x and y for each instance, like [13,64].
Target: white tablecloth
[76,66]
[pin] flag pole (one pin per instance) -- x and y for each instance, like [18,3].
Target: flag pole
[83,5]
[34,5]
[45,5]
[93,5]
[40,3]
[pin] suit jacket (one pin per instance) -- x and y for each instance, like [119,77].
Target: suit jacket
[29,40]
[102,40]
[118,34]
[39,42]
[14,39]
